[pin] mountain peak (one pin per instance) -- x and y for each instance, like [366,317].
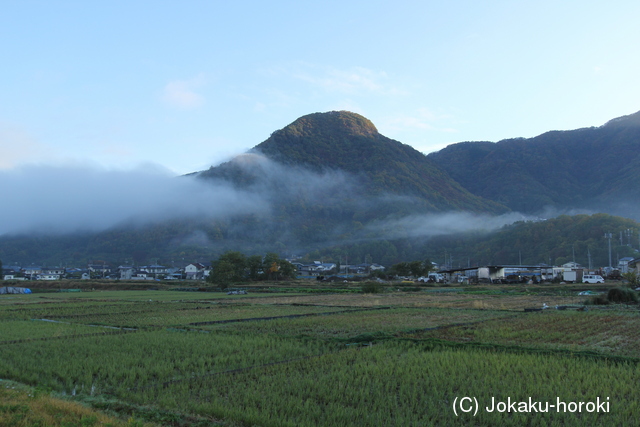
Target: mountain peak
[331,123]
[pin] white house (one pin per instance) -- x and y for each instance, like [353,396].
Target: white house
[623,264]
[48,277]
[32,272]
[126,272]
[154,270]
[195,271]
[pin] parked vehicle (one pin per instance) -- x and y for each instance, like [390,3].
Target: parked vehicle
[592,278]
[432,278]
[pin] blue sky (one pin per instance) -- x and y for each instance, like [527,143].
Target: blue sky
[186,84]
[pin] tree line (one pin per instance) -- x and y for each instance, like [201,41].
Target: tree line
[234,266]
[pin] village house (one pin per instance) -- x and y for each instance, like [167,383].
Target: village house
[316,269]
[101,270]
[31,272]
[195,271]
[126,272]
[12,273]
[634,265]
[51,273]
[154,271]
[623,264]
[364,268]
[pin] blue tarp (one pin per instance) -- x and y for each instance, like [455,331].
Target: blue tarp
[14,290]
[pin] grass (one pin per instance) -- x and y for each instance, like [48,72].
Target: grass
[458,300]
[167,315]
[606,332]
[22,406]
[410,385]
[394,358]
[26,329]
[352,324]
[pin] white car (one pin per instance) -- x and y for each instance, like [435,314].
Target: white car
[592,278]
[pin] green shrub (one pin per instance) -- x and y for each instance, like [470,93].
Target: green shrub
[371,288]
[597,300]
[615,295]
[620,295]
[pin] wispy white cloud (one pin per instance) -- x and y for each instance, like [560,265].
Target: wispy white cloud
[350,80]
[415,124]
[422,118]
[183,94]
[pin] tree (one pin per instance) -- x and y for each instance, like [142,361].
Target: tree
[401,269]
[230,267]
[428,267]
[270,266]
[254,264]
[413,268]
[287,270]
[631,277]
[416,268]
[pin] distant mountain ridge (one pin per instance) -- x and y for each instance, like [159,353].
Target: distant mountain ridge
[594,168]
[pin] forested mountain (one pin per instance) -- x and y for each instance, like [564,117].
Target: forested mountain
[594,168]
[349,143]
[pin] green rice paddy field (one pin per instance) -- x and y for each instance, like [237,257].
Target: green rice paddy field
[318,359]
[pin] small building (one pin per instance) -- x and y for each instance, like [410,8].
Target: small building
[623,264]
[12,273]
[53,270]
[195,271]
[634,265]
[126,272]
[48,277]
[154,271]
[32,272]
[99,269]
[51,273]
[316,269]
[141,275]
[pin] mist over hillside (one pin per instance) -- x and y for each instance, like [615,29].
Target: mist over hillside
[55,200]
[328,184]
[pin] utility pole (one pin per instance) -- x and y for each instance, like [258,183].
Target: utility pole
[609,236]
